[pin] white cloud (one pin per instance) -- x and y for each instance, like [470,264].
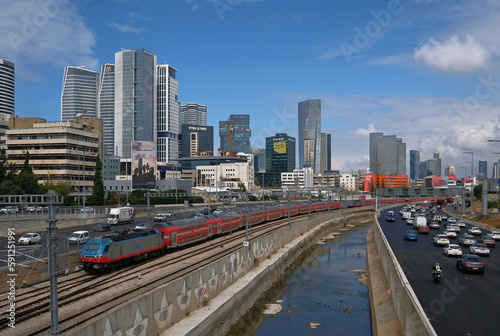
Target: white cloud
[126,28]
[453,55]
[44,34]
[365,131]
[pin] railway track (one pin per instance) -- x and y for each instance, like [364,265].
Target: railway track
[94,295]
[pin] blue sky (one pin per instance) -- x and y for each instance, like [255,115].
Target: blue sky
[425,70]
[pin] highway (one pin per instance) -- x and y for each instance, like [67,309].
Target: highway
[462,304]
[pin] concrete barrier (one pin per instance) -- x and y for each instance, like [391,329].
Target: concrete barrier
[411,315]
[219,293]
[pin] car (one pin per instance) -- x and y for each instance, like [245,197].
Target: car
[450,234]
[495,235]
[160,217]
[461,223]
[453,227]
[142,227]
[466,240]
[424,230]
[444,218]
[475,231]
[434,225]
[86,209]
[9,209]
[79,237]
[487,240]
[411,235]
[470,263]
[441,239]
[452,220]
[29,238]
[452,250]
[437,218]
[170,214]
[102,227]
[34,208]
[479,249]
[217,211]
[410,221]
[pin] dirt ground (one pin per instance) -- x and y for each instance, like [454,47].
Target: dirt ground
[492,221]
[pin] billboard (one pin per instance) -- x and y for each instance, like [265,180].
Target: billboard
[143,164]
[280,147]
[438,182]
[369,182]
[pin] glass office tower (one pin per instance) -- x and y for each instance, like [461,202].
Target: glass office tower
[79,93]
[310,134]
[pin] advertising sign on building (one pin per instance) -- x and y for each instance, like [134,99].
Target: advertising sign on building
[143,164]
[280,147]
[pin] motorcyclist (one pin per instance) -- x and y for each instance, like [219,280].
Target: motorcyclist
[436,269]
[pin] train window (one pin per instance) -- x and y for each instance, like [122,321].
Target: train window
[106,248]
[92,247]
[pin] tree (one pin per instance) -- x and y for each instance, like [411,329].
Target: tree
[62,188]
[97,197]
[241,187]
[27,180]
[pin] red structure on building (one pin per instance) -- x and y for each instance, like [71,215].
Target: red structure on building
[374,181]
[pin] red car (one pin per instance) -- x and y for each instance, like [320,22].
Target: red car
[424,229]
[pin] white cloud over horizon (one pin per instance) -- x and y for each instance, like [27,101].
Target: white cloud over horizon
[453,55]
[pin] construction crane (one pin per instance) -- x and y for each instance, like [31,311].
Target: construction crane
[230,129]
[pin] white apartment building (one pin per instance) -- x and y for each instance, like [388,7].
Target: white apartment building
[348,182]
[226,175]
[299,178]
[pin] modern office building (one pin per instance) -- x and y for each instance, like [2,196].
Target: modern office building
[193,114]
[387,154]
[414,164]
[450,170]
[280,153]
[168,106]
[326,153]
[438,170]
[135,99]
[58,152]
[259,159]
[106,107]
[7,92]
[310,134]
[483,170]
[79,93]
[197,140]
[298,178]
[235,134]
[495,174]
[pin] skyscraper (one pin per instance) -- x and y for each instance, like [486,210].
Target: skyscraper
[194,114]
[414,164]
[235,133]
[310,134]
[168,126]
[79,93]
[483,170]
[387,154]
[438,171]
[106,107]
[197,140]
[280,153]
[7,90]
[135,99]
[326,152]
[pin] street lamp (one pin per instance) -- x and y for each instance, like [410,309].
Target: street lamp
[472,179]
[494,140]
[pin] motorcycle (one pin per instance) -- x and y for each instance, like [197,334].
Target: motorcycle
[436,275]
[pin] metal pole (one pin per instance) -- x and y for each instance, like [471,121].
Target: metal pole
[248,220]
[484,197]
[472,182]
[463,201]
[54,315]
[288,196]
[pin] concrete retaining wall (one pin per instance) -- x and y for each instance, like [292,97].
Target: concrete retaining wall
[410,313]
[214,290]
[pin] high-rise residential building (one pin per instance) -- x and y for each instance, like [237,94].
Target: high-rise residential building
[106,107]
[438,171]
[310,134]
[450,170]
[197,140]
[235,134]
[193,114]
[79,93]
[135,99]
[414,164]
[168,106]
[326,153]
[280,153]
[7,91]
[387,154]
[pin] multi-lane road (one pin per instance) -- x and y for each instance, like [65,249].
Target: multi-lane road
[462,304]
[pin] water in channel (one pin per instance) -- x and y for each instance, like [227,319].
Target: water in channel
[324,293]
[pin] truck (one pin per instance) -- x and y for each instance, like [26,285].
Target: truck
[121,215]
[420,221]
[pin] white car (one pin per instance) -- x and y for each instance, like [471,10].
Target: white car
[450,234]
[452,250]
[461,223]
[409,221]
[475,231]
[441,239]
[495,235]
[480,249]
[452,220]
[453,227]
[218,211]
[29,238]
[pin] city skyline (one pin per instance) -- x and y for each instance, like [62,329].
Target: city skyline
[391,78]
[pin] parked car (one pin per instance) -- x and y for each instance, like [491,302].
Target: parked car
[466,240]
[479,249]
[29,238]
[102,227]
[475,231]
[79,237]
[470,263]
[487,240]
[441,239]
[452,250]
[411,235]
[424,230]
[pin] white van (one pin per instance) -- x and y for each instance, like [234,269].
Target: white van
[79,237]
